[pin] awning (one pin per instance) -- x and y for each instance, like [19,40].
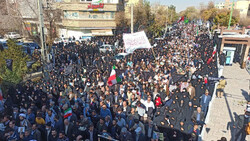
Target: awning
[102,32]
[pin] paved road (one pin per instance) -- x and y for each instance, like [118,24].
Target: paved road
[223,110]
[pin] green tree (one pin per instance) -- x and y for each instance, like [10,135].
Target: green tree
[142,14]
[172,16]
[191,13]
[159,21]
[222,18]
[120,19]
[19,67]
[209,12]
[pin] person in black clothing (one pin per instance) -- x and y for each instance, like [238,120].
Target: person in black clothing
[54,135]
[92,134]
[115,130]
[79,79]
[222,58]
[240,125]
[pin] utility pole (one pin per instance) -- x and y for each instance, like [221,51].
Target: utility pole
[42,38]
[231,14]
[132,17]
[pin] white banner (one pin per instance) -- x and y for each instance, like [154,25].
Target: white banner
[135,41]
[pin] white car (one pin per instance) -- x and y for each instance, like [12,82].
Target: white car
[58,40]
[104,48]
[12,35]
[120,56]
[248,33]
[2,39]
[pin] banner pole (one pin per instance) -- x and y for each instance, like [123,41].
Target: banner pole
[153,53]
[131,58]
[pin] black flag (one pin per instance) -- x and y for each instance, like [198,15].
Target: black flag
[9,63]
[30,63]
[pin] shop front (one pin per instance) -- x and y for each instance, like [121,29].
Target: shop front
[229,52]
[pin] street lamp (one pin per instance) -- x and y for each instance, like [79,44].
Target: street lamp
[132,16]
[42,38]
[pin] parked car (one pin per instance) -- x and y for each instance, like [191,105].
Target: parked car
[3,45]
[248,33]
[32,46]
[58,40]
[26,48]
[12,35]
[2,39]
[85,38]
[120,56]
[106,47]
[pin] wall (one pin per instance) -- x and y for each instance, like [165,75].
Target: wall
[89,23]
[84,6]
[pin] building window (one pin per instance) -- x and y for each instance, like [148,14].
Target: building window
[70,15]
[85,0]
[96,15]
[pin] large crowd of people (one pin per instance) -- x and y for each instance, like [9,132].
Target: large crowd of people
[164,92]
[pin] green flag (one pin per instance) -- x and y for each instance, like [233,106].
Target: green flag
[197,30]
[186,21]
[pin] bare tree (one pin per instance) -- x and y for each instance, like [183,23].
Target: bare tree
[22,11]
[52,17]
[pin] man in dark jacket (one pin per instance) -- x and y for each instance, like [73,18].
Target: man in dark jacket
[54,135]
[92,133]
[138,135]
[69,129]
[125,135]
[115,129]
[205,100]
[198,116]
[149,130]
[222,58]
[35,133]
[240,125]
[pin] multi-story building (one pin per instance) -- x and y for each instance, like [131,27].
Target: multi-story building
[85,18]
[229,4]
[220,5]
[9,20]
[243,6]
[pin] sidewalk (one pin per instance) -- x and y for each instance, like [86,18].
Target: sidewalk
[223,110]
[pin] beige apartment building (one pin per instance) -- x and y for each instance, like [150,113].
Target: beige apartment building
[243,6]
[82,19]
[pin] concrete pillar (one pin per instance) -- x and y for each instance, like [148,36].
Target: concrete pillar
[243,30]
[221,30]
[222,44]
[243,65]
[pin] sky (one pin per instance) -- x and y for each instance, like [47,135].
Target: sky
[183,4]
